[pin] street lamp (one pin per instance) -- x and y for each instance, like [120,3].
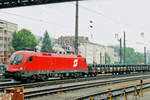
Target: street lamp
[91,27]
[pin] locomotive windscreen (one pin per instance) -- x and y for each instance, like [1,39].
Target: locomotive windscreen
[16,59]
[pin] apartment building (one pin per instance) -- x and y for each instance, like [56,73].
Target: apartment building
[6,30]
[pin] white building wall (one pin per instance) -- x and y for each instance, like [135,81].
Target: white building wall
[110,52]
[98,54]
[86,50]
[95,53]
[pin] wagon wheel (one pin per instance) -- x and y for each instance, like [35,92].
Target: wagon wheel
[42,77]
[25,80]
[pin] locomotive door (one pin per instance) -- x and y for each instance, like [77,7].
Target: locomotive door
[29,65]
[52,65]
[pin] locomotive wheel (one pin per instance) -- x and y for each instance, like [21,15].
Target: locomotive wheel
[85,75]
[42,77]
[28,80]
[81,75]
[61,77]
[6,76]
[93,75]
[33,78]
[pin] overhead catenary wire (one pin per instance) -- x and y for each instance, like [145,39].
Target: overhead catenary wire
[80,6]
[36,19]
[131,27]
[109,18]
[68,27]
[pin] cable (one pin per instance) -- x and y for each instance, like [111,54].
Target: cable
[101,14]
[33,19]
[83,7]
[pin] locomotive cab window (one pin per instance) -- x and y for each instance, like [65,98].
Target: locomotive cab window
[30,59]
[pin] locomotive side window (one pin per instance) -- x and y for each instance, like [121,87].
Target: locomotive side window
[85,60]
[30,59]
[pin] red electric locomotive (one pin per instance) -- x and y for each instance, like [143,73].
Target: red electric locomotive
[30,65]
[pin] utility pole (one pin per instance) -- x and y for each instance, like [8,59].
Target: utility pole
[145,62]
[76,28]
[120,53]
[120,50]
[124,56]
[100,58]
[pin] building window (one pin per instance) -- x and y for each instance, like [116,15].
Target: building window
[9,32]
[1,52]
[1,30]
[1,45]
[9,39]
[5,45]
[9,53]
[1,38]
[5,38]
[5,31]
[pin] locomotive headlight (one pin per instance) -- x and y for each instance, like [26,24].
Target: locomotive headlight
[21,68]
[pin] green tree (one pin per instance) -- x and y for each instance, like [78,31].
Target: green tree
[23,39]
[131,57]
[107,58]
[46,43]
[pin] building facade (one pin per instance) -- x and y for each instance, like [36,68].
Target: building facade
[86,50]
[6,30]
[67,42]
[94,53]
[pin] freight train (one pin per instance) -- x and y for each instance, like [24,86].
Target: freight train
[31,66]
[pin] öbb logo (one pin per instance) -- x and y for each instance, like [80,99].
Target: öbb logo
[75,63]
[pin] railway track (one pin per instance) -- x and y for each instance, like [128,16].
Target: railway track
[5,80]
[4,85]
[12,83]
[48,91]
[115,92]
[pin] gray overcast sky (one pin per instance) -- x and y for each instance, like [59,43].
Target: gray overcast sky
[108,16]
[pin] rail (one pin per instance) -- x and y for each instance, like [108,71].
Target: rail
[42,92]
